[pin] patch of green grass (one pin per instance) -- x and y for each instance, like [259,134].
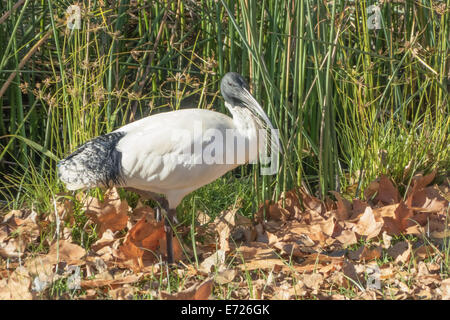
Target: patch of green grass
[219,195]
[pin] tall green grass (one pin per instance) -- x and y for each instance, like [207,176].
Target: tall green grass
[351,102]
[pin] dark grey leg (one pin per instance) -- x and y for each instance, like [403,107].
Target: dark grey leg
[169,221]
[158,214]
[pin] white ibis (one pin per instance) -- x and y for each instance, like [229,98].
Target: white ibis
[173,153]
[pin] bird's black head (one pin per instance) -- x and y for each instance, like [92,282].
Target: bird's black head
[236,93]
[233,88]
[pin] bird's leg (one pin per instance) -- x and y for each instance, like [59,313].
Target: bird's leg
[169,220]
[168,227]
[158,214]
[148,195]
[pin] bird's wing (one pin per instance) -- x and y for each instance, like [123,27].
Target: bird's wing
[157,151]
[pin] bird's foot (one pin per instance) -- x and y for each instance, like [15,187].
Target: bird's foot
[170,267]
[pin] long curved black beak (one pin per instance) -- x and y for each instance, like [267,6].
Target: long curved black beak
[256,109]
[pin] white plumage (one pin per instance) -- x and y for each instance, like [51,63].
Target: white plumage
[158,165]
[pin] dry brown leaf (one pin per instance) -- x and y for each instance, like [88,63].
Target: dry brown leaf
[387,272]
[291,202]
[11,249]
[397,223]
[67,234]
[285,209]
[67,252]
[143,241]
[371,190]
[289,248]
[338,297]
[108,253]
[315,262]
[326,269]
[312,231]
[347,237]
[240,220]
[17,218]
[203,218]
[424,252]
[367,226]
[387,193]
[140,212]
[283,292]
[415,230]
[402,216]
[244,230]
[298,290]
[225,276]
[264,264]
[371,253]
[254,250]
[355,255]
[4,232]
[422,270]
[440,234]
[422,292]
[262,213]
[17,287]
[367,295]
[337,279]
[41,269]
[123,293]
[224,224]
[200,291]
[91,294]
[401,252]
[385,211]
[257,256]
[261,234]
[313,281]
[17,232]
[359,207]
[12,215]
[349,270]
[278,213]
[327,227]
[437,223]
[101,282]
[271,238]
[95,265]
[418,182]
[64,208]
[112,213]
[216,260]
[445,289]
[107,239]
[429,200]
[312,203]
[344,207]
[386,240]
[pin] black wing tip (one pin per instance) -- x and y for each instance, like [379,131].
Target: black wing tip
[98,160]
